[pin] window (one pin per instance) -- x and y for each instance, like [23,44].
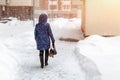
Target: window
[53,0]
[53,7]
[66,7]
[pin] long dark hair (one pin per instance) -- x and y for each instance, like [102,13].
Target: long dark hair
[43,18]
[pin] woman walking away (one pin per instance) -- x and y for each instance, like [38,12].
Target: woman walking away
[43,34]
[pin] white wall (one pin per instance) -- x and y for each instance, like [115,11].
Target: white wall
[2,2]
[102,17]
[21,2]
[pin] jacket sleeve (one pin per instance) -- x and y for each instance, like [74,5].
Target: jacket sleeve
[50,33]
[35,33]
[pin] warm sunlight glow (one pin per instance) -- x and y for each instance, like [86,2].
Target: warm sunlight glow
[103,15]
[111,1]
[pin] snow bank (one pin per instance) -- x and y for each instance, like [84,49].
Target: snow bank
[8,64]
[100,55]
[12,34]
[67,28]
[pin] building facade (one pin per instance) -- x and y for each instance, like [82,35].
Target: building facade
[43,4]
[27,9]
[77,7]
[59,8]
[2,7]
[21,9]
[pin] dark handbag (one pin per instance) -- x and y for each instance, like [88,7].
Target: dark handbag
[52,52]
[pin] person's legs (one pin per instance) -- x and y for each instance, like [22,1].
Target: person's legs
[46,57]
[41,58]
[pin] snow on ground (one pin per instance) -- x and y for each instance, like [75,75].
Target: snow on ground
[9,46]
[100,57]
[8,63]
[94,58]
[19,57]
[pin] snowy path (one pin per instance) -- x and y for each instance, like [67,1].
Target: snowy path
[19,40]
[63,66]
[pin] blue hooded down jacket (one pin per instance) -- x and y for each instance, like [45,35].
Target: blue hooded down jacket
[43,33]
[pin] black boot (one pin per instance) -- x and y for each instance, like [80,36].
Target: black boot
[46,57]
[41,59]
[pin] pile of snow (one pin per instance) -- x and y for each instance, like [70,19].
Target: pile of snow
[8,63]
[12,34]
[100,57]
[66,28]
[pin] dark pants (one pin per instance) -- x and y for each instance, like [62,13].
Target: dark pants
[41,55]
